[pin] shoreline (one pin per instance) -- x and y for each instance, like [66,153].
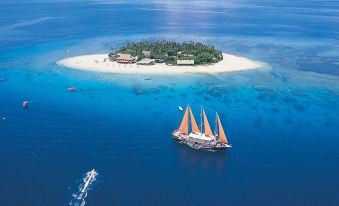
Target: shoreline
[97,63]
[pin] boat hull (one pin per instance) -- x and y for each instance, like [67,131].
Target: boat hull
[177,136]
[209,145]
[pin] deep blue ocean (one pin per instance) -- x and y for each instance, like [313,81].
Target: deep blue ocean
[283,120]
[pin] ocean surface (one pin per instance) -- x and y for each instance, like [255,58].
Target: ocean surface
[282,120]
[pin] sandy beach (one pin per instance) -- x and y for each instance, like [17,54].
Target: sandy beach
[97,63]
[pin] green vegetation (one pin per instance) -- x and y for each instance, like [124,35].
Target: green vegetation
[169,52]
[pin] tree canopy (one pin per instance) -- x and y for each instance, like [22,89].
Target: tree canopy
[170,51]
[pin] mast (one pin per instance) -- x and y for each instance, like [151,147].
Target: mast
[222,136]
[194,125]
[216,125]
[207,128]
[201,119]
[183,128]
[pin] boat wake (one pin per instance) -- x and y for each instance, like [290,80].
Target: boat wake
[80,196]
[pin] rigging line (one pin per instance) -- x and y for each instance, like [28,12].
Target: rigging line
[205,108]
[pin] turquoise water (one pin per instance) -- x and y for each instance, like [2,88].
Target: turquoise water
[281,120]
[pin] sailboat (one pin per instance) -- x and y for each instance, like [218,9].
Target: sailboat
[203,137]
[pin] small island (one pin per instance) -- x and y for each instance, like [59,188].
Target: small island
[168,52]
[162,57]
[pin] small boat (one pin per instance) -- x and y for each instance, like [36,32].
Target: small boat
[180,108]
[72,89]
[25,104]
[203,137]
[79,198]
[148,78]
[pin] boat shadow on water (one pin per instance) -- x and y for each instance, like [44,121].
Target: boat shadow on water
[191,158]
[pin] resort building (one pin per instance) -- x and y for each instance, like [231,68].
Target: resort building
[126,58]
[147,54]
[185,62]
[146,61]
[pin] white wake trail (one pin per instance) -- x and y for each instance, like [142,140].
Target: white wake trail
[79,197]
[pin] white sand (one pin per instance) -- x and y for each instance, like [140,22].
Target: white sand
[97,63]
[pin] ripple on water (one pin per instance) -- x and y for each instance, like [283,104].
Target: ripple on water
[158,113]
[289,100]
[233,89]
[289,120]
[279,76]
[226,100]
[275,109]
[263,88]
[184,95]
[267,95]
[139,90]
[333,92]
[28,76]
[213,91]
[299,92]
[253,107]
[258,121]
[299,107]
[328,122]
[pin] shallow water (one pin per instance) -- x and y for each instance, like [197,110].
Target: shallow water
[282,121]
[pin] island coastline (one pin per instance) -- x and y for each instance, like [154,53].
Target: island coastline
[101,63]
